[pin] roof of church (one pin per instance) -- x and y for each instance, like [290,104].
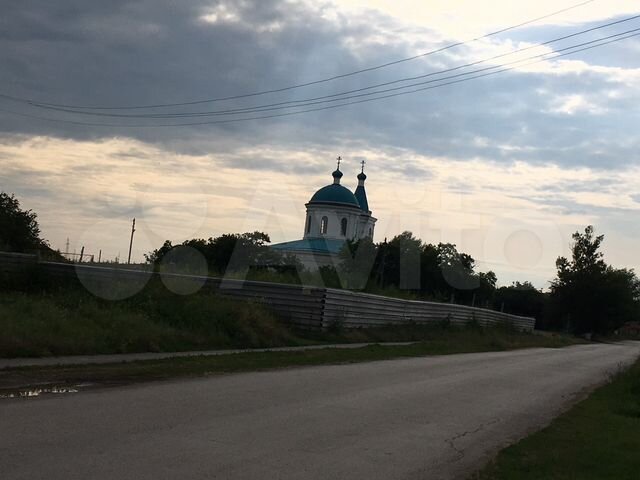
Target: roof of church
[312,245]
[336,194]
[361,196]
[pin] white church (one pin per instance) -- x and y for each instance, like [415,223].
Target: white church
[335,214]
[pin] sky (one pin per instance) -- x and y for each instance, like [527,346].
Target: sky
[506,166]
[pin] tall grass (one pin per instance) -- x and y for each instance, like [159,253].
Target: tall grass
[597,439]
[72,321]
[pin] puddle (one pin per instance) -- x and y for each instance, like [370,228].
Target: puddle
[36,392]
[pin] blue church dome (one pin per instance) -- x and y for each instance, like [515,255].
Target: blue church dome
[335,193]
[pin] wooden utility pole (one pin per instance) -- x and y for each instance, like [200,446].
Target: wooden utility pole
[133,229]
[81,254]
[100,256]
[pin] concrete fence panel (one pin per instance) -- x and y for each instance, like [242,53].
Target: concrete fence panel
[353,310]
[302,306]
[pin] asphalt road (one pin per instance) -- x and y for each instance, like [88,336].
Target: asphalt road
[419,418]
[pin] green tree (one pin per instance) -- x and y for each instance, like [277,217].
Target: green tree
[233,252]
[588,295]
[329,276]
[521,298]
[457,271]
[19,229]
[156,256]
[486,289]
[397,262]
[356,263]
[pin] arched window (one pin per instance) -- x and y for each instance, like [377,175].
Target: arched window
[324,223]
[343,227]
[370,232]
[308,229]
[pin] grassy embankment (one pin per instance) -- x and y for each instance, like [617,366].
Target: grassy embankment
[598,439]
[70,320]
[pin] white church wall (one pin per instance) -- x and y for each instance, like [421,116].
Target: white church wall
[366,227]
[334,216]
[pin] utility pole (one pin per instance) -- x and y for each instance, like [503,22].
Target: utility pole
[81,254]
[66,250]
[99,256]
[133,229]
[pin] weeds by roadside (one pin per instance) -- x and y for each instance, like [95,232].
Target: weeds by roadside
[598,439]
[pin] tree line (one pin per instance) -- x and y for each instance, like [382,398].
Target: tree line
[587,294]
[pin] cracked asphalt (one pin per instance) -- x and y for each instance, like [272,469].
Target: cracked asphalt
[420,418]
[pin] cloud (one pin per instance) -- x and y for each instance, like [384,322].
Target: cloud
[142,52]
[548,144]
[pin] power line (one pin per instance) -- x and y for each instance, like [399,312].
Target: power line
[314,100]
[366,100]
[395,89]
[314,82]
[402,93]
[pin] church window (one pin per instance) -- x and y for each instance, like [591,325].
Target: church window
[323,225]
[370,233]
[308,229]
[343,227]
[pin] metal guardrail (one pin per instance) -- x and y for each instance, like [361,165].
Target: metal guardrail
[303,306]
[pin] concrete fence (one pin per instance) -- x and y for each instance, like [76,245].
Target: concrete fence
[364,310]
[303,306]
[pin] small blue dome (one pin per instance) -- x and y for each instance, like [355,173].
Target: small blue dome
[335,194]
[362,176]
